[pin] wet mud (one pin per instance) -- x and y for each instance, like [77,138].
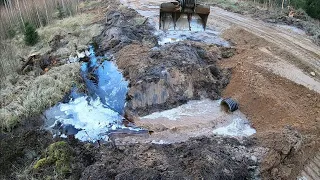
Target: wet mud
[197,158]
[165,77]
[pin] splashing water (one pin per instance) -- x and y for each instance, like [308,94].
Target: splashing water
[99,111]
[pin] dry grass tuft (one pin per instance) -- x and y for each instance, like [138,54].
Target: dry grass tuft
[31,96]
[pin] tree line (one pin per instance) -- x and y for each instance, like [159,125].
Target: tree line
[311,7]
[14,14]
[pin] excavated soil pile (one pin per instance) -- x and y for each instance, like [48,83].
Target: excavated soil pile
[160,78]
[199,158]
[165,77]
[123,27]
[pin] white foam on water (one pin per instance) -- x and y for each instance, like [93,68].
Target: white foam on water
[159,142]
[238,127]
[91,116]
[209,37]
[97,112]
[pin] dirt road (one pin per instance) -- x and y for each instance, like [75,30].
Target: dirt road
[298,44]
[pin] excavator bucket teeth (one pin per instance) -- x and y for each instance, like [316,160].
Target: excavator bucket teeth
[173,16]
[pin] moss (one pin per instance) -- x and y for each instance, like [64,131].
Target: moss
[60,155]
[43,162]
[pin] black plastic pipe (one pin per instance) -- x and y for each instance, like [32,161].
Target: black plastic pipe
[232,104]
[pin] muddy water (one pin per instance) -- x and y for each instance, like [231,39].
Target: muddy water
[150,10]
[196,118]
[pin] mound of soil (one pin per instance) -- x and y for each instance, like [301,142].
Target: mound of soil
[165,77]
[199,158]
[122,28]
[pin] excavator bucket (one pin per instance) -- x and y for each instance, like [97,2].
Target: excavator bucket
[183,15]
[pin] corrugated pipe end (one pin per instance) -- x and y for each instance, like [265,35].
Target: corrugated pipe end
[230,103]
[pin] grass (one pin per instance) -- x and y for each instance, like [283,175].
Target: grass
[59,154]
[31,96]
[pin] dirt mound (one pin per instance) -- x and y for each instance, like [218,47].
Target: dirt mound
[123,26]
[199,158]
[165,77]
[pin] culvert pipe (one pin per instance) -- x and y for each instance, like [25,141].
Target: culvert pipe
[231,104]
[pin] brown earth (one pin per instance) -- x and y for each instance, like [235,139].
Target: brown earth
[272,102]
[197,158]
[170,75]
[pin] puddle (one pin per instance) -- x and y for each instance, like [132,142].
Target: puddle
[151,11]
[100,110]
[196,118]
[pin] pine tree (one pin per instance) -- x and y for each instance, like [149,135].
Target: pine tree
[31,36]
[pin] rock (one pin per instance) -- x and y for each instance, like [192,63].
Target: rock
[227,52]
[313,73]
[308,95]
[274,173]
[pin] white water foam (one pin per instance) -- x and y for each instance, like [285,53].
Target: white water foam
[238,127]
[91,116]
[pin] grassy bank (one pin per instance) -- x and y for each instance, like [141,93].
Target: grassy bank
[25,96]
[28,94]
